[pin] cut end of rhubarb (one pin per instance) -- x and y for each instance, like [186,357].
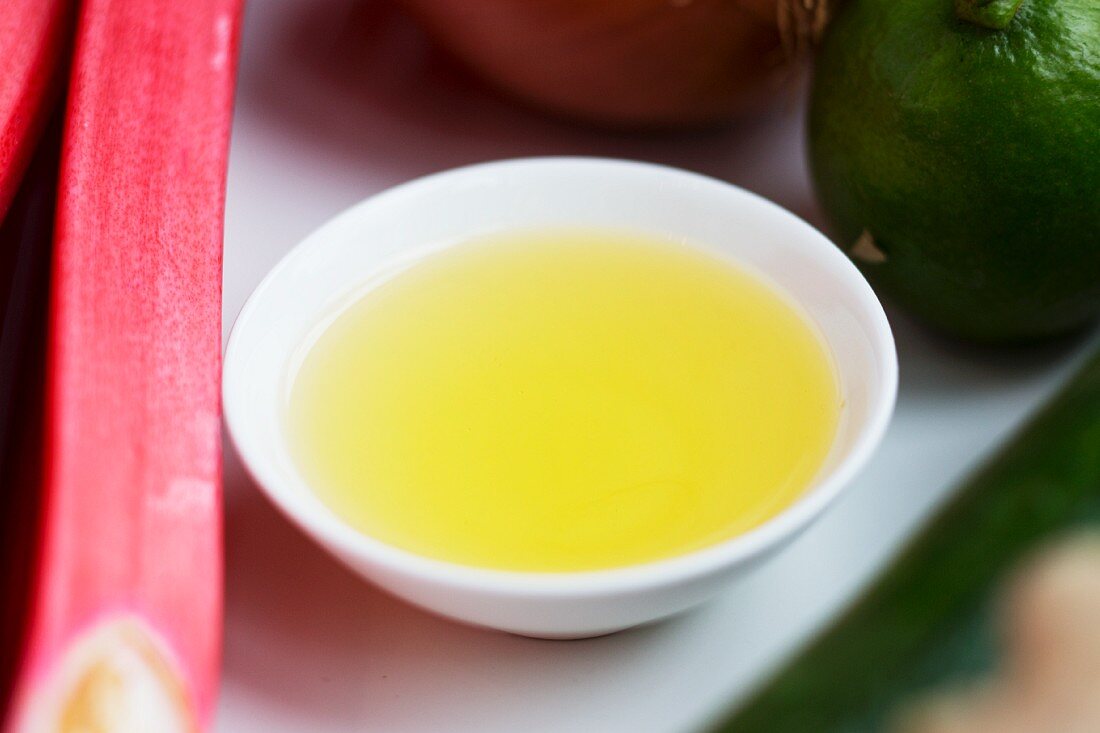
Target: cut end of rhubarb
[115,679]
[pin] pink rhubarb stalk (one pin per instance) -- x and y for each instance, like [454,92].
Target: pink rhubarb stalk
[125,617]
[33,36]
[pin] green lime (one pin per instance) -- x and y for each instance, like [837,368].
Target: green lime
[956,152]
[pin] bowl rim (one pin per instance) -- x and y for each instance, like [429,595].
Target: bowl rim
[326,527]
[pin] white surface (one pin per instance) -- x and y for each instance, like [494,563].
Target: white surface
[366,244]
[331,111]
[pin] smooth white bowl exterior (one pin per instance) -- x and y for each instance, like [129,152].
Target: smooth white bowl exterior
[389,231]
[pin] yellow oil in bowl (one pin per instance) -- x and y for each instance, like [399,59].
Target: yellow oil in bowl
[563,400]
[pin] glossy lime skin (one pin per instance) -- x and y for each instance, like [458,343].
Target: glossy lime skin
[971,156]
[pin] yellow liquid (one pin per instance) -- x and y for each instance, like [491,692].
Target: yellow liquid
[563,400]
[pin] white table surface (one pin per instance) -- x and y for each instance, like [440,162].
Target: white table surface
[334,106]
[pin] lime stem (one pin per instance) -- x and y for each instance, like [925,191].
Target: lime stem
[995,14]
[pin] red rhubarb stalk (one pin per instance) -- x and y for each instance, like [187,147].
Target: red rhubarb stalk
[125,619]
[33,36]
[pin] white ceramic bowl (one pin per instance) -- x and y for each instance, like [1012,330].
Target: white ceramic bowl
[387,232]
